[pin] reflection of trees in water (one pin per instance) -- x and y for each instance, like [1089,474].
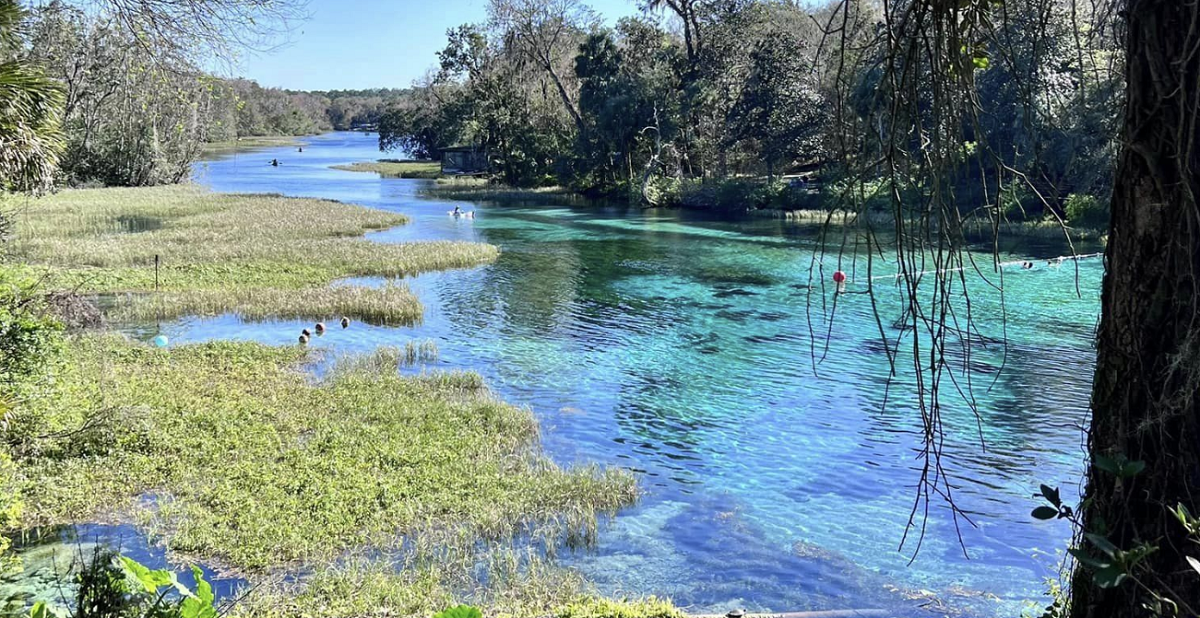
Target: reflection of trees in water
[535,285]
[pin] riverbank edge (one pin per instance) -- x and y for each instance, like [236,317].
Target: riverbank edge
[395,168]
[581,604]
[178,250]
[449,188]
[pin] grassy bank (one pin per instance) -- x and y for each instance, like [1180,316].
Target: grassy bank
[250,142]
[256,255]
[478,190]
[396,169]
[230,454]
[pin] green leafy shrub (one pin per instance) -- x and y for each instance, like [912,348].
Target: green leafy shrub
[1016,203]
[593,607]
[112,586]
[460,611]
[661,191]
[737,194]
[28,336]
[1086,210]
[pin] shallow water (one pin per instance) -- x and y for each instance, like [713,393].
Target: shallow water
[679,346]
[50,558]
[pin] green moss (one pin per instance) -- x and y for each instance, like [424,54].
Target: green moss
[396,169]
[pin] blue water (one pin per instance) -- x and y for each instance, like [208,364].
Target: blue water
[694,351]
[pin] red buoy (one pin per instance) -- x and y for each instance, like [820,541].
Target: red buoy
[839,277]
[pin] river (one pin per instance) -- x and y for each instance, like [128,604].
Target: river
[678,345]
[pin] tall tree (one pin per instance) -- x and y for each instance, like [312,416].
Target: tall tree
[30,107]
[546,32]
[1146,392]
[1138,549]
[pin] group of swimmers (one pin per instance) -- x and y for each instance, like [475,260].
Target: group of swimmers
[459,212]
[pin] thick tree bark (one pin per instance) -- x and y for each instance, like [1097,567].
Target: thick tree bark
[1145,396]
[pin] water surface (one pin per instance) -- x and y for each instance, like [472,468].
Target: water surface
[679,345]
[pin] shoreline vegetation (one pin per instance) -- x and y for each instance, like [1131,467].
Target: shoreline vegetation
[360,492]
[808,212]
[256,255]
[394,168]
[230,453]
[224,147]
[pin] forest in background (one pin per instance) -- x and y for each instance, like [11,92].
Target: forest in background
[707,103]
[139,115]
[692,103]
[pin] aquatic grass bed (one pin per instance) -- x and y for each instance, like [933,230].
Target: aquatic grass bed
[387,305]
[471,190]
[231,453]
[257,255]
[360,588]
[249,142]
[395,169]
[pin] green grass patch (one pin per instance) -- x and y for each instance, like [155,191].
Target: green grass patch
[388,168]
[252,464]
[519,588]
[470,189]
[260,256]
[249,143]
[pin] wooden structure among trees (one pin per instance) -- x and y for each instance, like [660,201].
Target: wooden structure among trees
[464,160]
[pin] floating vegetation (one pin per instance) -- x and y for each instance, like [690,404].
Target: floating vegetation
[259,255]
[392,304]
[392,168]
[255,466]
[387,359]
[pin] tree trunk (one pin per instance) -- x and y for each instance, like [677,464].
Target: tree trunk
[1144,399]
[566,99]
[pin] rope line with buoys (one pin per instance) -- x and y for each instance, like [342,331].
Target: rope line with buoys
[840,278]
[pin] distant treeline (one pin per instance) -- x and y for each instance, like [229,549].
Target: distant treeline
[696,98]
[247,109]
[138,114]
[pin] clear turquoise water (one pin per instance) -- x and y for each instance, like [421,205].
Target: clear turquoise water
[679,346]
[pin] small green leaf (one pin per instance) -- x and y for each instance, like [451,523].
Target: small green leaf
[1110,576]
[1051,495]
[150,580]
[1045,512]
[1107,464]
[200,604]
[1132,468]
[461,611]
[1086,560]
[40,610]
[1119,465]
[981,62]
[1102,543]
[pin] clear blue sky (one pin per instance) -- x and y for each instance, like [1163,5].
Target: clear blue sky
[374,43]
